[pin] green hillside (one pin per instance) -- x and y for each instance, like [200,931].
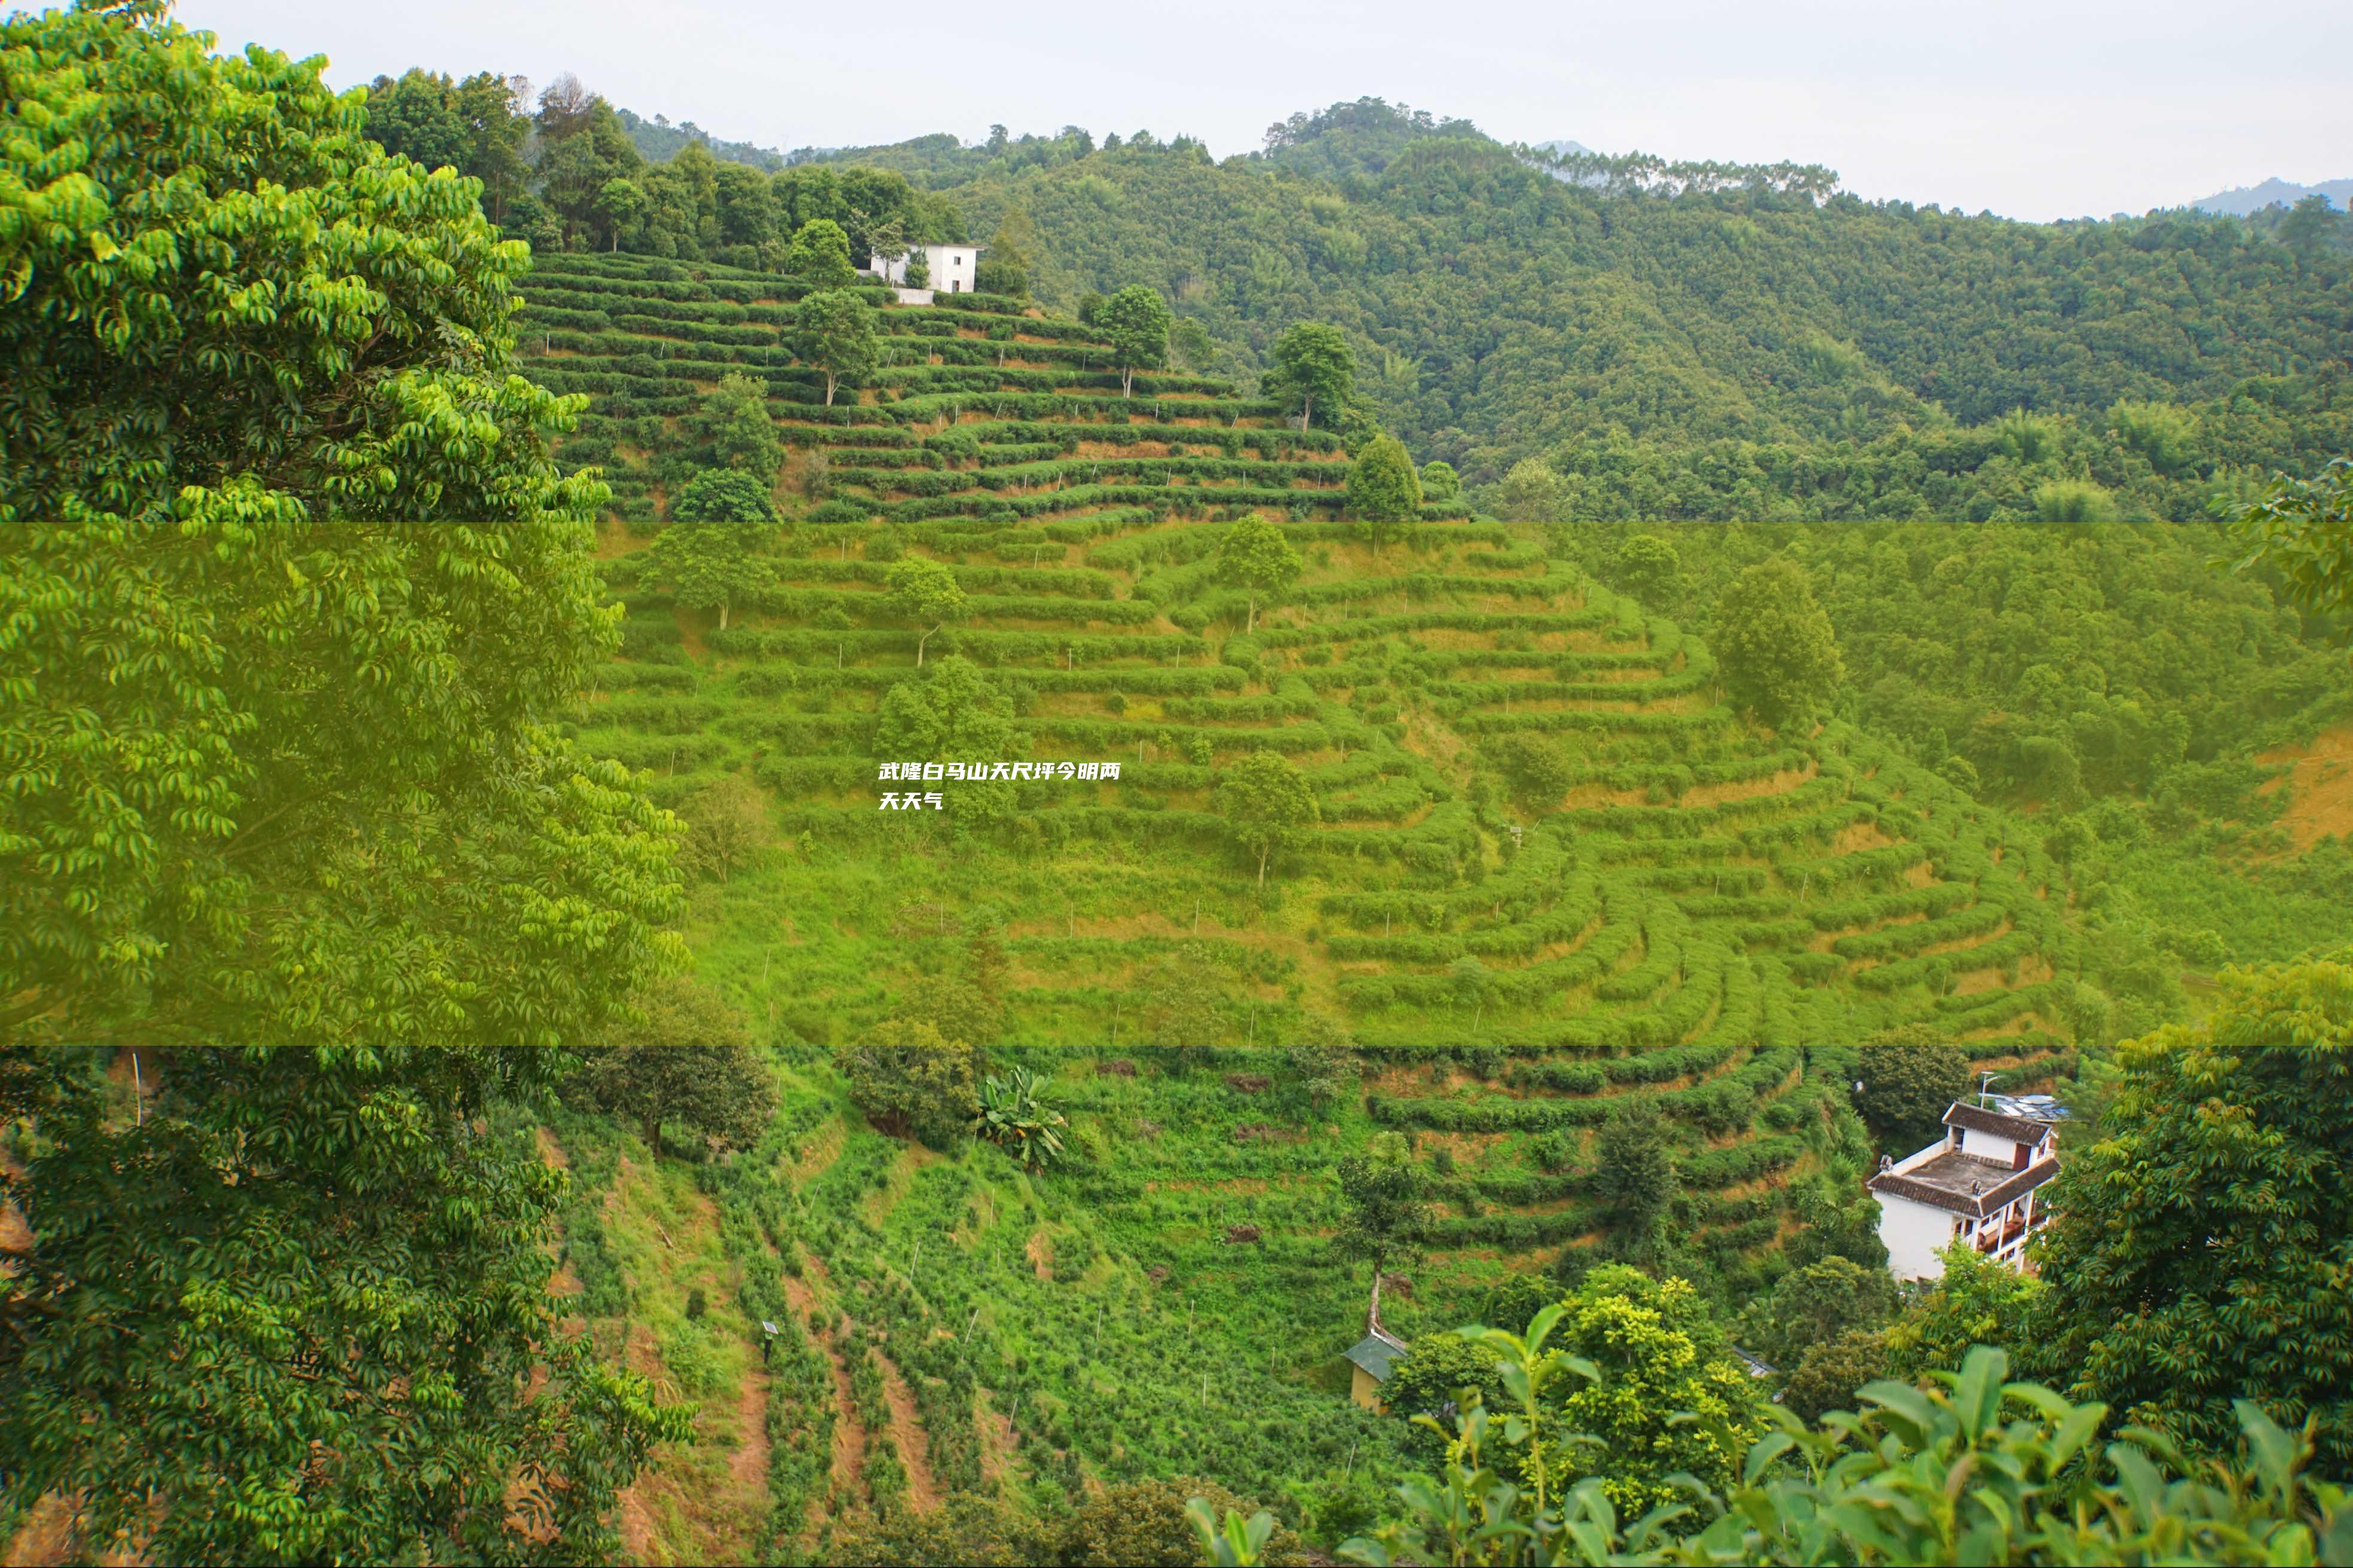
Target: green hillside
[1675,909]
[1655,905]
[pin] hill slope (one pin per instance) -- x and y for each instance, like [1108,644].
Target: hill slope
[1692,901]
[1691,913]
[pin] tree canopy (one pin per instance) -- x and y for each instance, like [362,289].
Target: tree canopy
[713,551]
[296,1251]
[1386,1219]
[922,591]
[1383,489]
[1136,321]
[820,253]
[1780,657]
[1267,802]
[954,714]
[734,419]
[196,496]
[834,331]
[1255,556]
[2204,1254]
[1910,1076]
[912,1082]
[2302,533]
[1669,1397]
[1312,367]
[296,598]
[687,1059]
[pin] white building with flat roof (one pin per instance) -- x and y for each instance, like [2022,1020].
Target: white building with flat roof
[1976,1183]
[952,266]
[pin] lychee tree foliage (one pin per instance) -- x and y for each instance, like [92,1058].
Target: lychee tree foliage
[289,1310]
[1314,371]
[1137,320]
[954,714]
[1268,806]
[1383,490]
[683,1060]
[910,1081]
[2300,532]
[834,331]
[819,255]
[291,597]
[1780,657]
[1909,1075]
[711,553]
[1255,556]
[921,590]
[2205,1258]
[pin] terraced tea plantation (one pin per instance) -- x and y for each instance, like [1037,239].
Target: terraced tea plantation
[1682,909]
[1696,902]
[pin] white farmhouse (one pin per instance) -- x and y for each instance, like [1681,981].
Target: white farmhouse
[952,266]
[1977,1182]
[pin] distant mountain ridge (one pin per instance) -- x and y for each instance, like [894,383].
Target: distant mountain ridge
[2240,201]
[657,141]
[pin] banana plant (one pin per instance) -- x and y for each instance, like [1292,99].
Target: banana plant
[1014,1115]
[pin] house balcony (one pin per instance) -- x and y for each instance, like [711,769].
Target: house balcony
[1993,1240]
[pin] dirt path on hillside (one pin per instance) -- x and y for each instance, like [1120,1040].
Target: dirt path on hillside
[636,1527]
[907,1432]
[641,1354]
[849,1432]
[564,1281]
[750,1464]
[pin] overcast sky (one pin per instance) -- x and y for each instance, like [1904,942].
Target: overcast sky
[2042,109]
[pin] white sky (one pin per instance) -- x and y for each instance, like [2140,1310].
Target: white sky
[2037,108]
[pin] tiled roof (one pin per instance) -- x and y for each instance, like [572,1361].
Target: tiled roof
[1998,1194]
[1376,1352]
[2017,1129]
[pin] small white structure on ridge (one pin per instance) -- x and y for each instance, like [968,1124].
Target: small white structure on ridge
[1977,1182]
[952,266]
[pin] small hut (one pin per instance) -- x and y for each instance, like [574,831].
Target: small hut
[1375,1356]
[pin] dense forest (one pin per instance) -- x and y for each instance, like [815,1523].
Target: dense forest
[659,903]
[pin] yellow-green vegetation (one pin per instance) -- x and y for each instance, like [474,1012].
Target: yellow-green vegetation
[1694,897]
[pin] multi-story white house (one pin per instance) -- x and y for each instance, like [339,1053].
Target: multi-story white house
[952,266]
[1977,1182]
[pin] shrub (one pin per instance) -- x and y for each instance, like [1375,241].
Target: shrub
[1909,1075]
[910,1081]
[1974,1469]
[1145,1523]
[684,1059]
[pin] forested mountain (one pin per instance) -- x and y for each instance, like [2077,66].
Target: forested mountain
[1736,354]
[659,142]
[1639,339]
